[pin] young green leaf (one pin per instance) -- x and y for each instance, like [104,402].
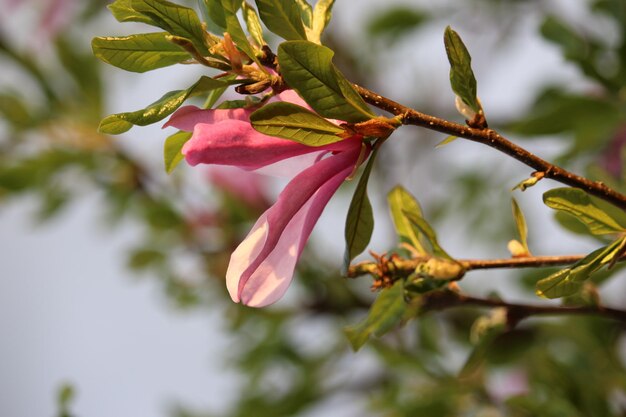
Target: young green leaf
[177,20]
[215,94]
[166,105]
[253,23]
[308,68]
[306,11]
[482,334]
[123,11]
[386,312]
[139,53]
[570,280]
[215,12]
[321,16]
[462,77]
[360,220]
[587,210]
[446,141]
[293,122]
[428,232]
[233,27]
[520,222]
[401,201]
[282,17]
[171,150]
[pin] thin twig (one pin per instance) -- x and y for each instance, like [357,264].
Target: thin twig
[492,138]
[441,300]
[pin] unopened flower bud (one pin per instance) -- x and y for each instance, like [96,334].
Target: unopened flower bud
[516,249]
[464,109]
[379,127]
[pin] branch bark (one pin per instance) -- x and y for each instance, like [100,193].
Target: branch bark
[405,267]
[442,300]
[493,139]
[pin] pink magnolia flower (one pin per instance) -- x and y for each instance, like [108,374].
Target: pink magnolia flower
[262,266]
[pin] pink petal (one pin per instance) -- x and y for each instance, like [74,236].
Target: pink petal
[236,143]
[187,117]
[262,267]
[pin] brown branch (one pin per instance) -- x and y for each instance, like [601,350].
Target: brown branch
[442,300]
[492,138]
[405,267]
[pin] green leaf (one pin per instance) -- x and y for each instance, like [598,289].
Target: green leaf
[571,223]
[177,20]
[144,258]
[123,11]
[293,122]
[306,12]
[215,10]
[428,232]
[308,69]
[15,110]
[85,71]
[322,14]
[520,222]
[570,280]
[527,183]
[253,23]
[360,220]
[166,105]
[446,141]
[215,94]
[395,23]
[386,313]
[138,53]
[282,17]
[462,77]
[401,201]
[579,204]
[483,333]
[581,49]
[233,27]
[171,149]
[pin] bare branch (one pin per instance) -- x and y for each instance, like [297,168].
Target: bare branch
[493,139]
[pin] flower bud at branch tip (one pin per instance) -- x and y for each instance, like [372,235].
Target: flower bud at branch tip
[380,127]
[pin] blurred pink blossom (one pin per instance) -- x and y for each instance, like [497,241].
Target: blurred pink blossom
[244,185]
[612,157]
[52,15]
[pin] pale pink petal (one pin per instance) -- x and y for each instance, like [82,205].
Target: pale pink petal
[261,268]
[272,277]
[290,96]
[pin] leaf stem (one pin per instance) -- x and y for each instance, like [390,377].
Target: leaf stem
[493,139]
